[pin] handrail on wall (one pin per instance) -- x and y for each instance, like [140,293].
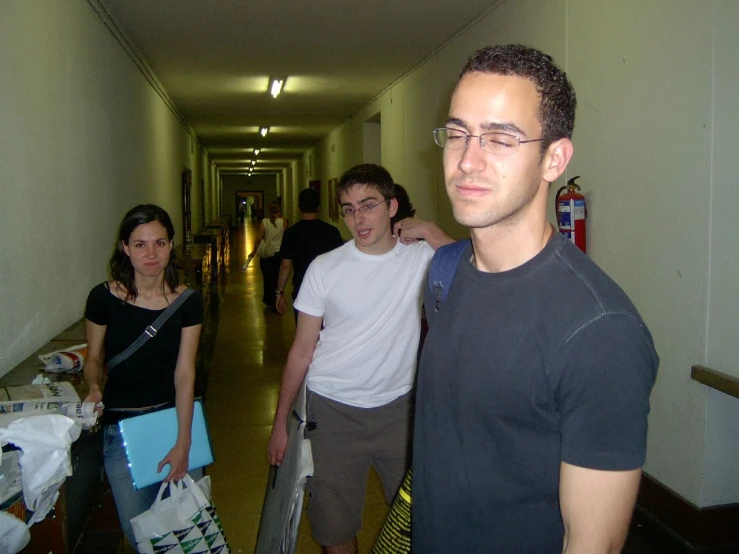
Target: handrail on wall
[716,380]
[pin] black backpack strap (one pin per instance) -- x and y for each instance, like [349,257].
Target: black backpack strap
[152,329]
[443,269]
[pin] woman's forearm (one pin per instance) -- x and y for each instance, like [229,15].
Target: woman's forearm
[256,245]
[93,373]
[184,400]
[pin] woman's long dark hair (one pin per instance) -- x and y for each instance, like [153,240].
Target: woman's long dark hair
[121,268]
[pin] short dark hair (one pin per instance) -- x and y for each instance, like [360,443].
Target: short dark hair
[121,268]
[371,175]
[557,104]
[309,201]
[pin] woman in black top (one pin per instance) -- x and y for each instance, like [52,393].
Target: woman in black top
[160,372]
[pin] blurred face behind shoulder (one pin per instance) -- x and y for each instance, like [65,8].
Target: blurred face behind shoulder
[149,249]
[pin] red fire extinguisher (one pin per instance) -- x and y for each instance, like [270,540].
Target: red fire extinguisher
[571,213]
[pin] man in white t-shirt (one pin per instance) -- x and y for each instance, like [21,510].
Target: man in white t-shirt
[360,366]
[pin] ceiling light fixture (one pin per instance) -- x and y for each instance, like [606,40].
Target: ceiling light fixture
[263,131]
[256,151]
[276,85]
[254,162]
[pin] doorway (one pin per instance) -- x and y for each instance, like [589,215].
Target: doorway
[249,206]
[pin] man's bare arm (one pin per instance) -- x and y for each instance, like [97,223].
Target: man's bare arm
[296,367]
[411,230]
[596,508]
[286,266]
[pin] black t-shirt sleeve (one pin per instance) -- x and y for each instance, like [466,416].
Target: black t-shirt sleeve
[98,307]
[336,238]
[192,310]
[603,377]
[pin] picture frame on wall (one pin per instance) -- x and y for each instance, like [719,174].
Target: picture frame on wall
[333,205]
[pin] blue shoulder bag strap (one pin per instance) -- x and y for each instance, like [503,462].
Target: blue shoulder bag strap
[152,329]
[443,269]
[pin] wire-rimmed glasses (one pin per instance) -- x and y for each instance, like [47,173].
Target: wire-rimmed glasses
[501,144]
[363,209]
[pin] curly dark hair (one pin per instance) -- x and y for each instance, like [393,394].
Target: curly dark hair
[371,175]
[558,102]
[121,268]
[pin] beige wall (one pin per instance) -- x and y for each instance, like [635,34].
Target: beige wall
[655,143]
[83,138]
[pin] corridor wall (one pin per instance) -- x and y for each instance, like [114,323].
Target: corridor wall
[83,138]
[655,142]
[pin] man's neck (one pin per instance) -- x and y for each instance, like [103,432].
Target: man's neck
[309,216]
[499,249]
[379,249]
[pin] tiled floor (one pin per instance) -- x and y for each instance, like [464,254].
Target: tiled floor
[251,348]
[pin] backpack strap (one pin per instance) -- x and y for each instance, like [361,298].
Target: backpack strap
[443,269]
[152,329]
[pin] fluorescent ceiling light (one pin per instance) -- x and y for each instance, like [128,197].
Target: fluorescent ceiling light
[275,86]
[256,151]
[254,162]
[263,131]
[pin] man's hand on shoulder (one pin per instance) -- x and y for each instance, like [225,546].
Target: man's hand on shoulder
[412,230]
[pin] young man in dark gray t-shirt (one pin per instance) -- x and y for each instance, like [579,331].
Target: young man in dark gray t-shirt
[533,386]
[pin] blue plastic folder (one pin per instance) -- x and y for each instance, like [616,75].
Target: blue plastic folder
[147,439]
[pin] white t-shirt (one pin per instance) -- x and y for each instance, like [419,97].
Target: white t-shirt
[273,233]
[371,310]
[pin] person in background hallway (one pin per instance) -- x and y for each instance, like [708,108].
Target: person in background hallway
[160,372]
[267,247]
[301,244]
[359,375]
[405,208]
[251,210]
[242,211]
[534,382]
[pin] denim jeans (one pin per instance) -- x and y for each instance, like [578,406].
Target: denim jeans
[129,501]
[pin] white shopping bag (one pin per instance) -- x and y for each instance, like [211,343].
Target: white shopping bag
[184,522]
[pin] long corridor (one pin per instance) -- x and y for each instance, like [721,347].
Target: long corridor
[251,348]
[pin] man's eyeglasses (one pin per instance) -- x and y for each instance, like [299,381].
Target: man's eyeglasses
[501,144]
[363,209]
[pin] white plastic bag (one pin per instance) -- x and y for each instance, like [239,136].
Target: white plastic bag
[69,360]
[46,442]
[11,479]
[183,522]
[14,535]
